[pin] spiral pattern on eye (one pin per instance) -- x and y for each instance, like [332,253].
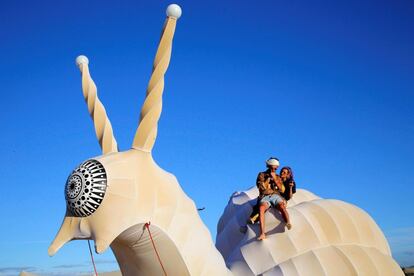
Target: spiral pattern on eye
[85,188]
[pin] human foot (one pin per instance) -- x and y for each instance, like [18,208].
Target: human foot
[261,237]
[288,225]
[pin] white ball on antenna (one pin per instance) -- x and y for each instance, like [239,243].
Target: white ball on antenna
[82,60]
[174,10]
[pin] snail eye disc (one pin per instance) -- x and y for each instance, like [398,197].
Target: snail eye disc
[85,188]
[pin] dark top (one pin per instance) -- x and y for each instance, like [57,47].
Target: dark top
[286,184]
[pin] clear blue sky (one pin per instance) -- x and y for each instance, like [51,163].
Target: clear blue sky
[327,86]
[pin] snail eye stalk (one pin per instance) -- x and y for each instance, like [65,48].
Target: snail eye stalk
[85,188]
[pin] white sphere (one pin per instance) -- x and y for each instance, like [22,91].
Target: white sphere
[174,10]
[82,60]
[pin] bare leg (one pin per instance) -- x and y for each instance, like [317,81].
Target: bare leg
[255,213]
[262,209]
[282,208]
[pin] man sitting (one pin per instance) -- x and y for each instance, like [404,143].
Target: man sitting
[270,188]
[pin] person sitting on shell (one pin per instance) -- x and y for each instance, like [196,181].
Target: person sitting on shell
[288,189]
[270,187]
[286,174]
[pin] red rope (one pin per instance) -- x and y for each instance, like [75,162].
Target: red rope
[155,249]
[93,262]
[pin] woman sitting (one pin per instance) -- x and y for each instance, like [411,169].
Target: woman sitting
[286,174]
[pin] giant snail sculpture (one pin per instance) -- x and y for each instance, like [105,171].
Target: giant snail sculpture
[111,198]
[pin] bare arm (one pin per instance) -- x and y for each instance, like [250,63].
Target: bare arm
[290,190]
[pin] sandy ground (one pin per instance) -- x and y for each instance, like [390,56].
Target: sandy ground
[114,273]
[409,271]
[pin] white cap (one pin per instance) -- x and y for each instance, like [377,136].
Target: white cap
[174,11]
[82,60]
[272,162]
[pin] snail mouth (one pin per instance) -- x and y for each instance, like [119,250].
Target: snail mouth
[73,228]
[65,234]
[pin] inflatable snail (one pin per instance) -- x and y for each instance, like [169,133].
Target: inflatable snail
[115,198]
[111,197]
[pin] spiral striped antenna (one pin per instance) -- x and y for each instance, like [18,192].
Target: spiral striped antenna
[151,110]
[103,127]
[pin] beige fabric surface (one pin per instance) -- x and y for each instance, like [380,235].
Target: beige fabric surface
[329,237]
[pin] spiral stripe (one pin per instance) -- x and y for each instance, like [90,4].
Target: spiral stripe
[103,127]
[151,110]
